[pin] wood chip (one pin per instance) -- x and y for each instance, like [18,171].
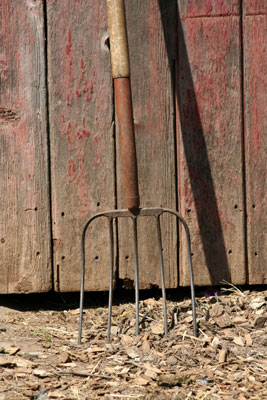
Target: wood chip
[132,352]
[146,346]
[150,374]
[216,310]
[157,329]
[222,356]
[248,339]
[140,381]
[171,360]
[239,341]
[239,320]
[260,322]
[12,350]
[64,358]
[223,321]
[41,373]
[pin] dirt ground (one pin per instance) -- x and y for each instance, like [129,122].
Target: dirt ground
[40,358]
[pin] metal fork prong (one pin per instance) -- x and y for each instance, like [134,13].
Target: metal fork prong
[162,276]
[195,329]
[136,276]
[110,297]
[82,286]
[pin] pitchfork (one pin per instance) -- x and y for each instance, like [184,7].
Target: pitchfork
[123,99]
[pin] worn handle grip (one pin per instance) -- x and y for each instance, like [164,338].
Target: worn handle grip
[123,99]
[118,39]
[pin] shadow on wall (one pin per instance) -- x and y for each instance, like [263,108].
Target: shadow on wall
[194,144]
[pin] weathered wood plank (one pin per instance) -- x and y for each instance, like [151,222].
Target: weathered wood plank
[154,128]
[24,196]
[255,95]
[82,150]
[209,136]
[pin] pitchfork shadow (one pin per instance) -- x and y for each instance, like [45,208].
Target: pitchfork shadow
[195,148]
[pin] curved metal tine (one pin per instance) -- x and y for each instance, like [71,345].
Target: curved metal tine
[111,241]
[136,276]
[195,330]
[82,285]
[162,275]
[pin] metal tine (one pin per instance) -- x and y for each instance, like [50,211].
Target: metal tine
[157,212]
[136,276]
[195,329]
[162,276]
[110,297]
[82,286]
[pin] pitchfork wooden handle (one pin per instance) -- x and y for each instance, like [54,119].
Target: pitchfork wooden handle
[123,99]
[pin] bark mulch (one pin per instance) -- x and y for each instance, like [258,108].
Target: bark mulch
[40,358]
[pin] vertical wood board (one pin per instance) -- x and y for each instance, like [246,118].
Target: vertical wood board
[82,150]
[24,204]
[255,95]
[209,138]
[151,81]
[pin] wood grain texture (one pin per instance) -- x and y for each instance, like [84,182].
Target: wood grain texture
[82,149]
[209,137]
[154,129]
[24,196]
[255,100]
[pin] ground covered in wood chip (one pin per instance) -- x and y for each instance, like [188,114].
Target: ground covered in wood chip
[40,357]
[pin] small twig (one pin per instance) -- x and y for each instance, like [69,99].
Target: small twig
[232,289]
[85,374]
[184,334]
[58,330]
[188,396]
[203,333]
[131,396]
[146,317]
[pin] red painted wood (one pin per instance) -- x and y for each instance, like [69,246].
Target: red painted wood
[209,137]
[255,90]
[150,41]
[24,196]
[82,148]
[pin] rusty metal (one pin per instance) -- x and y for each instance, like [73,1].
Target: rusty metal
[142,212]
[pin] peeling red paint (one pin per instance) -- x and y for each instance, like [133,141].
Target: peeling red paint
[68,45]
[71,170]
[86,132]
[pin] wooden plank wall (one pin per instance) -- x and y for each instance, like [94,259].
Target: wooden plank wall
[82,143]
[24,195]
[151,77]
[255,96]
[209,135]
[199,95]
